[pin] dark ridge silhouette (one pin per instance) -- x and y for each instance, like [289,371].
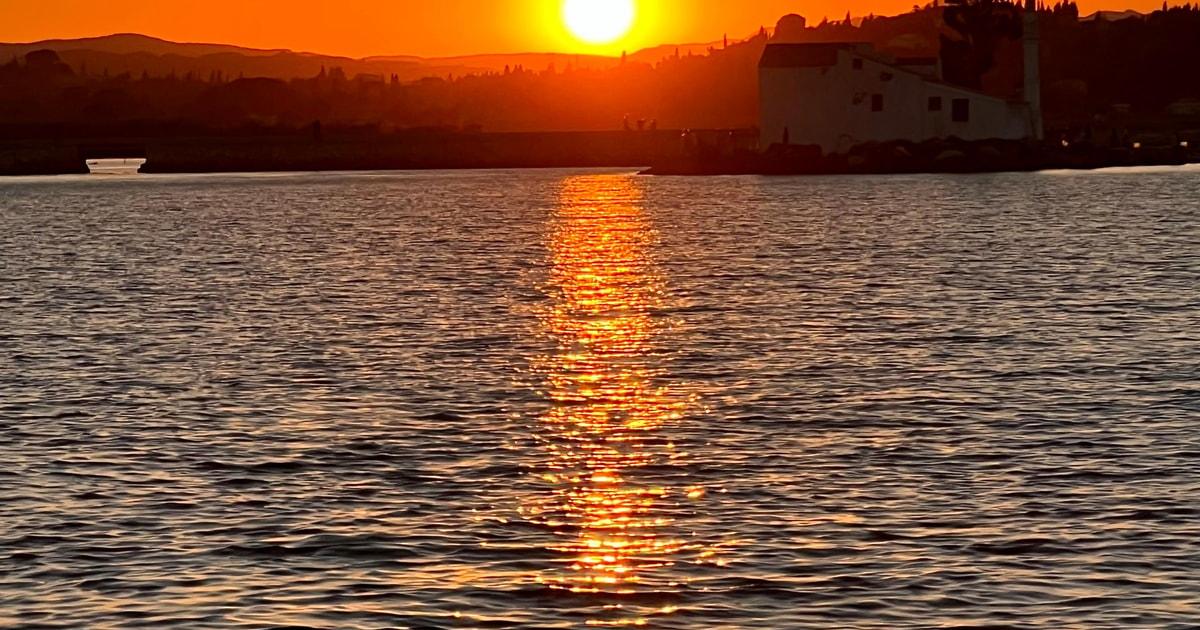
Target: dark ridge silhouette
[135,54]
[129,43]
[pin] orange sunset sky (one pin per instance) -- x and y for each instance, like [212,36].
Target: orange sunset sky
[431,28]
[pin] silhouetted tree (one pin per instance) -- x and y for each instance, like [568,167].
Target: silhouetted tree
[981,25]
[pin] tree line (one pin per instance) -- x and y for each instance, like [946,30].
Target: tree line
[1089,67]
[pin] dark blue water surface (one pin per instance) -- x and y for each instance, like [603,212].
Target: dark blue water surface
[556,399]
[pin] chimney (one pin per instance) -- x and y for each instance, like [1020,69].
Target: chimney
[1033,69]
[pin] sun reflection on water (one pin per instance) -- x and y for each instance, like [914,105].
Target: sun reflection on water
[609,409]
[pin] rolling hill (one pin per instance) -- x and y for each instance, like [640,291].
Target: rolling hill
[133,54]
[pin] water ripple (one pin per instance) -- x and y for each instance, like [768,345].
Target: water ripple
[566,399]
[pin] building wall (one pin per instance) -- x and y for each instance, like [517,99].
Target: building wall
[833,106]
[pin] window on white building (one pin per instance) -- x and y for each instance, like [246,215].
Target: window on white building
[876,102]
[960,110]
[857,64]
[935,103]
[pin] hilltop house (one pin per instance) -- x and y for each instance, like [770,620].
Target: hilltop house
[841,95]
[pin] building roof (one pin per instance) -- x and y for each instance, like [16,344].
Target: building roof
[824,55]
[800,55]
[916,61]
[819,55]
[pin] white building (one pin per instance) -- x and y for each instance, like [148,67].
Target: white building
[846,94]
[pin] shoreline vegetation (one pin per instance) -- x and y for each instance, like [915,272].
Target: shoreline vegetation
[664,152]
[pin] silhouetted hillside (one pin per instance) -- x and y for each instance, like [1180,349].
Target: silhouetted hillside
[139,54]
[128,43]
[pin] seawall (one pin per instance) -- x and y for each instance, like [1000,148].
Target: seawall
[934,156]
[413,152]
[41,158]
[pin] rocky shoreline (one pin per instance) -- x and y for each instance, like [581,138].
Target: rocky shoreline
[936,156]
[316,151]
[661,149]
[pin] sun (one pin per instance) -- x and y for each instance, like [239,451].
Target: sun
[598,22]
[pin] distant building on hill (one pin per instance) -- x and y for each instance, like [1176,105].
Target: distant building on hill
[840,95]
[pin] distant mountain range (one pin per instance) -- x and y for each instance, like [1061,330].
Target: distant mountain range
[137,54]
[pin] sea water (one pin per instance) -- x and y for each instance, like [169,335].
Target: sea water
[561,399]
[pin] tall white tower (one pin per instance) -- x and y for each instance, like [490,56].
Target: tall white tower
[1033,69]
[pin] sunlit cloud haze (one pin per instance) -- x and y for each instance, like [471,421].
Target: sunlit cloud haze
[361,28]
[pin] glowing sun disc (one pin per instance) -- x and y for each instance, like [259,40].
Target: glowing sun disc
[598,21]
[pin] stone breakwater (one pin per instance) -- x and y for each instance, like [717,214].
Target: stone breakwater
[41,159]
[348,152]
[667,152]
[935,156]
[415,152]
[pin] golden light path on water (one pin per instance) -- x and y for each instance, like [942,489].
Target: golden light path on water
[608,415]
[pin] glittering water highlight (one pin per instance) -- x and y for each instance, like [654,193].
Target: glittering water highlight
[571,399]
